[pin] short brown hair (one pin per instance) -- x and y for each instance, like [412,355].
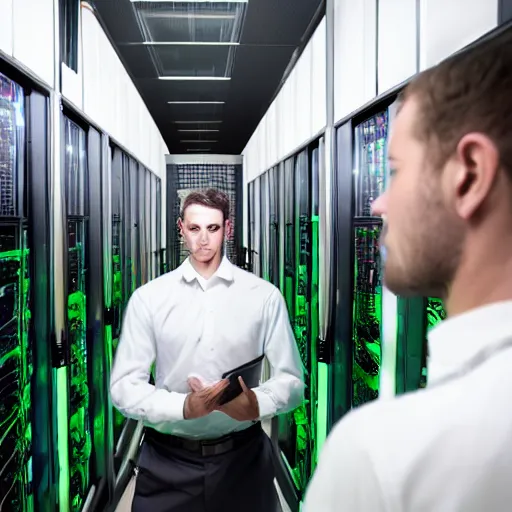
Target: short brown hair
[211,198]
[469,91]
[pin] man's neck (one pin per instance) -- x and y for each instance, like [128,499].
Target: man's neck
[206,269]
[481,281]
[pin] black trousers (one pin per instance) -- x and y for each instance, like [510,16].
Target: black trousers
[177,480]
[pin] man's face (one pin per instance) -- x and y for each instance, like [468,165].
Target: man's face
[422,236]
[203,231]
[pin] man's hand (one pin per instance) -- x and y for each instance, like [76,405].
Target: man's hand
[202,400]
[244,407]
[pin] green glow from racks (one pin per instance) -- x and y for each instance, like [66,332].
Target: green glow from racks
[60,378]
[15,420]
[80,442]
[322,409]
[117,305]
[319,371]
[435,314]
[367,322]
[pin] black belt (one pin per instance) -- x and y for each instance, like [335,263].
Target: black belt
[203,447]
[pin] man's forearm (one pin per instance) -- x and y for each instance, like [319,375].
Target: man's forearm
[144,401]
[279,394]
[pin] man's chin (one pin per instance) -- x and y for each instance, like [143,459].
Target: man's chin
[204,257]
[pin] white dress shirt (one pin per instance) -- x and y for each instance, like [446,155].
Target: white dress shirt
[447,448]
[190,326]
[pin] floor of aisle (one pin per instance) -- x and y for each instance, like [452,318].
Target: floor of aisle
[284,506]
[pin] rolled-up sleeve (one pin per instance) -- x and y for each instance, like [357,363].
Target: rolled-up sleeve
[284,391]
[130,390]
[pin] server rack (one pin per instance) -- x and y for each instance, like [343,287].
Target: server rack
[85,463]
[284,204]
[252,224]
[25,303]
[381,344]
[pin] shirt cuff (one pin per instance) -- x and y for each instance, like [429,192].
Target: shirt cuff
[266,404]
[168,406]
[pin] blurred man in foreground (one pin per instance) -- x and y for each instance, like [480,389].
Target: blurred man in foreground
[448,233]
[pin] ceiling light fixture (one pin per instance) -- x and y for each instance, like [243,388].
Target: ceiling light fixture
[197,122]
[194,78]
[191,1]
[196,102]
[190,43]
[198,131]
[198,141]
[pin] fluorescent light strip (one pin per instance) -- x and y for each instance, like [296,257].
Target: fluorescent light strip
[197,122]
[198,141]
[191,1]
[196,102]
[183,78]
[187,15]
[189,43]
[198,131]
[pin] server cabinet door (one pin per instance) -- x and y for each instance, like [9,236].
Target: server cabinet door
[24,357]
[264,227]
[79,420]
[252,225]
[370,147]
[273,229]
[286,424]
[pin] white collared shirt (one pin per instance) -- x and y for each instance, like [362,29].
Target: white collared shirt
[187,326]
[447,448]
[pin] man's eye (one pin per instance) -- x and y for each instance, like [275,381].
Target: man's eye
[392,172]
[213,229]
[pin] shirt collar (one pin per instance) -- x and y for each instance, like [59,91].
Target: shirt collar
[456,340]
[225,271]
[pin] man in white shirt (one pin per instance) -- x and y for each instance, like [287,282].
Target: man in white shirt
[448,233]
[196,323]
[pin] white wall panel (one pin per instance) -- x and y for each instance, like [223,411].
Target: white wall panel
[448,26]
[33,37]
[297,113]
[302,96]
[112,101]
[6,22]
[397,40]
[318,79]
[354,55]
[72,82]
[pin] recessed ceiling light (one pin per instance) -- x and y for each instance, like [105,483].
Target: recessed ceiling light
[192,1]
[189,43]
[198,141]
[197,122]
[199,130]
[183,78]
[196,102]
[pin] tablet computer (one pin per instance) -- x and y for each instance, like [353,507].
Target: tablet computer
[251,375]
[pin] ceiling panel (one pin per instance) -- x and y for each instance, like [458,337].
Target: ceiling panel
[223,62]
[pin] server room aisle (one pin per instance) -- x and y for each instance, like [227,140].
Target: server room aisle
[283,506]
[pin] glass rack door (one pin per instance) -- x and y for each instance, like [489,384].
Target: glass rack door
[371,165]
[80,428]
[16,344]
[273,229]
[118,265]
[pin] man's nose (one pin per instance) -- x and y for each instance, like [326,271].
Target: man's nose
[380,205]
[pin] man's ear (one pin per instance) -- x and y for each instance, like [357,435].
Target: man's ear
[228,230]
[477,168]
[179,223]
